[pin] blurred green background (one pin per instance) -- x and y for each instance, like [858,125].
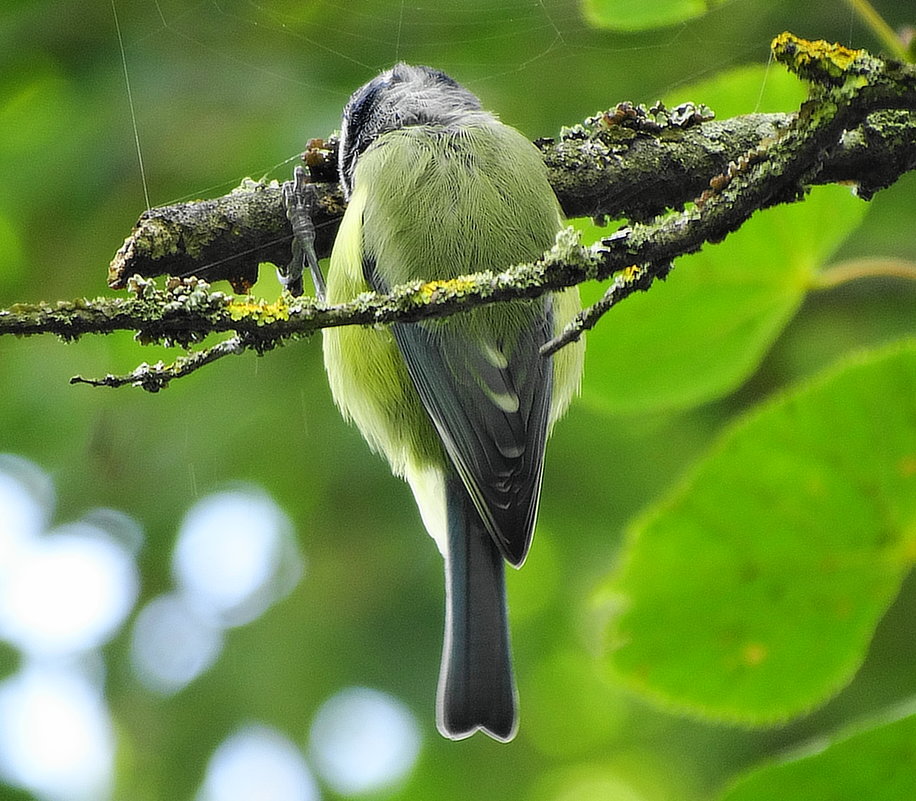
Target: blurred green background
[232,89]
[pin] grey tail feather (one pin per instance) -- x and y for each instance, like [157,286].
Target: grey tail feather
[476,685]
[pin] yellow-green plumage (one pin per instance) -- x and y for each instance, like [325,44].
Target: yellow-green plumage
[430,202]
[398,210]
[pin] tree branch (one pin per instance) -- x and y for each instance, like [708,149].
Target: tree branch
[858,125]
[630,162]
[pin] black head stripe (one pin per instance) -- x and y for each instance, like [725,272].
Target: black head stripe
[401,97]
[358,111]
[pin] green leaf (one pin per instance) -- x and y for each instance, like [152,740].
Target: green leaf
[702,332]
[626,15]
[751,592]
[878,764]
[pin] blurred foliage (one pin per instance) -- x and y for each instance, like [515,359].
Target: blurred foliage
[625,15]
[711,324]
[876,763]
[224,90]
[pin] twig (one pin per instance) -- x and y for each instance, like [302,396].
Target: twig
[879,27]
[153,377]
[854,269]
[625,283]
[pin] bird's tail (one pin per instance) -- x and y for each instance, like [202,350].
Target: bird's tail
[476,685]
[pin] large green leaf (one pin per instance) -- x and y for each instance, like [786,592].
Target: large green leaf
[627,15]
[878,764]
[751,593]
[701,333]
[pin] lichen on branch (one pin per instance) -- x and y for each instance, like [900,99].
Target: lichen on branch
[859,125]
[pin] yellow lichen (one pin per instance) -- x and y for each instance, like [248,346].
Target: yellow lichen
[812,58]
[258,309]
[456,286]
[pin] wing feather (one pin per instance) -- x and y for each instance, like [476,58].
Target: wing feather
[479,375]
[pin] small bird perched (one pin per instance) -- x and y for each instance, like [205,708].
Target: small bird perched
[461,407]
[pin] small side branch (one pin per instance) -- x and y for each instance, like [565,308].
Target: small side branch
[153,377]
[625,283]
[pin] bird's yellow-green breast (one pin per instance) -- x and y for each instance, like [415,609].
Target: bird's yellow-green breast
[432,203]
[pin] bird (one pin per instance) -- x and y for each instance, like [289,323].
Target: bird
[461,407]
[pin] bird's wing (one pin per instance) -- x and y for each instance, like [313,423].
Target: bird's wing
[489,402]
[479,375]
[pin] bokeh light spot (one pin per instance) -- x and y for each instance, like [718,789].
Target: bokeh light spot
[258,763]
[26,500]
[235,555]
[67,591]
[363,741]
[55,735]
[170,646]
